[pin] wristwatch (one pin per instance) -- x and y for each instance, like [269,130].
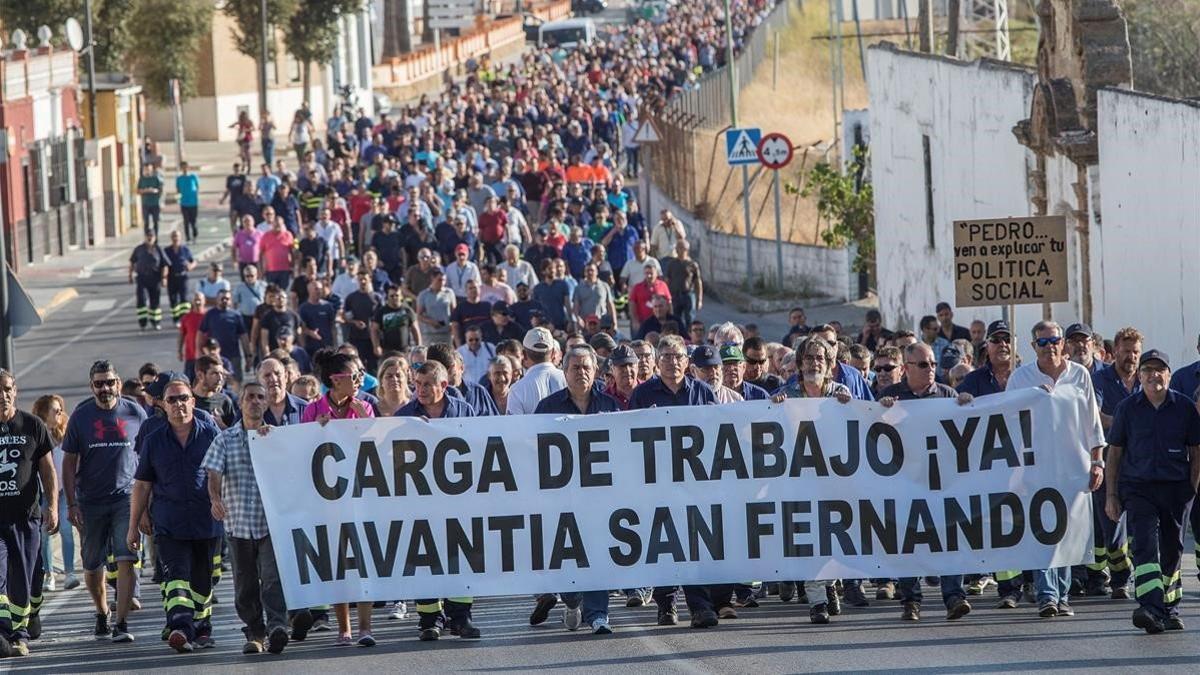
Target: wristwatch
[1098,462]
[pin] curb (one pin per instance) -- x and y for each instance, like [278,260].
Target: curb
[60,298]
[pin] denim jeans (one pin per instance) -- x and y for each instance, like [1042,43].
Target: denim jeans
[595,604]
[952,588]
[1052,585]
[67,532]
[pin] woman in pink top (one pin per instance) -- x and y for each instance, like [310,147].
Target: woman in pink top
[342,376]
[246,244]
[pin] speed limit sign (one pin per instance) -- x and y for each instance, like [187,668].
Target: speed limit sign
[775,151]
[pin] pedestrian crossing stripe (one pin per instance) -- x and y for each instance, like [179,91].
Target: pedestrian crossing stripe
[741,146]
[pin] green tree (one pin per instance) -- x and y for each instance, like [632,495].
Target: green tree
[247,25]
[165,41]
[847,203]
[312,32]
[1164,38]
[109,19]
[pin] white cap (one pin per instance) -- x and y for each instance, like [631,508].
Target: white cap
[538,340]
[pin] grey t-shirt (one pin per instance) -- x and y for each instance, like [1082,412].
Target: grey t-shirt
[438,307]
[593,299]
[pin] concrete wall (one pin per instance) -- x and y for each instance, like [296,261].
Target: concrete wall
[816,271]
[207,118]
[1146,246]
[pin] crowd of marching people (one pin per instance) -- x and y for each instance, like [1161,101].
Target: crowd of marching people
[479,254]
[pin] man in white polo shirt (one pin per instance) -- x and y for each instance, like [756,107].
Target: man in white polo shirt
[542,376]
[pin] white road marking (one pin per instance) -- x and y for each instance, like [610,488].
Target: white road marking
[102,305]
[78,336]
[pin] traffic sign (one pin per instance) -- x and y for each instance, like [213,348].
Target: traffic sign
[647,133]
[775,151]
[741,146]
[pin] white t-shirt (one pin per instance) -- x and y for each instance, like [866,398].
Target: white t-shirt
[331,232]
[539,382]
[1029,375]
[634,270]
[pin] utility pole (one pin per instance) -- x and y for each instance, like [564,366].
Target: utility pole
[262,59]
[731,66]
[925,25]
[6,343]
[953,17]
[91,66]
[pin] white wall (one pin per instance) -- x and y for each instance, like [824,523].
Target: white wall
[968,110]
[207,118]
[1145,272]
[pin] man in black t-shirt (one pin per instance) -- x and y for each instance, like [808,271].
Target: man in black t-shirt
[25,459]
[235,185]
[358,309]
[394,326]
[469,312]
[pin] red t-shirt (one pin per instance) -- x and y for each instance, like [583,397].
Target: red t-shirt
[276,251]
[360,205]
[642,295]
[492,226]
[557,240]
[189,326]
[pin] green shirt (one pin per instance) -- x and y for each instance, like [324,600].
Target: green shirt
[151,181]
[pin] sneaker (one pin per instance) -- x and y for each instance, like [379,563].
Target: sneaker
[980,585]
[912,612]
[102,632]
[430,634]
[1064,609]
[343,640]
[885,591]
[5,648]
[572,617]
[252,647]
[277,640]
[635,600]
[958,609]
[818,613]
[205,641]
[120,632]
[1147,621]
[466,630]
[705,618]
[35,625]
[1007,602]
[832,601]
[20,648]
[541,611]
[365,640]
[1173,623]
[749,603]
[321,625]
[727,613]
[71,582]
[1120,593]
[179,642]
[668,617]
[49,583]
[302,622]
[399,610]
[787,591]
[855,597]
[1048,609]
[600,626]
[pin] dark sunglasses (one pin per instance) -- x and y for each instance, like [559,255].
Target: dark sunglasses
[1047,341]
[101,384]
[997,340]
[923,365]
[885,369]
[756,362]
[178,398]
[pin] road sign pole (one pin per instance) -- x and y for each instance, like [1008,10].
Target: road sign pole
[778,234]
[746,213]
[6,344]
[644,178]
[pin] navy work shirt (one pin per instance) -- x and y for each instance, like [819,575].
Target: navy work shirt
[1111,391]
[980,382]
[181,507]
[1155,440]
[455,407]
[560,403]
[477,396]
[1185,380]
[752,392]
[293,410]
[653,393]
[901,392]
[226,327]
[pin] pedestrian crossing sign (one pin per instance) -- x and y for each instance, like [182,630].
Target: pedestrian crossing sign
[741,146]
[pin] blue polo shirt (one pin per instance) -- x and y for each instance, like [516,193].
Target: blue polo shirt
[753,392]
[180,508]
[1186,380]
[455,407]
[226,327]
[980,382]
[654,394]
[188,187]
[1155,440]
[476,396]
[1111,391]
[293,410]
[560,403]
[849,376]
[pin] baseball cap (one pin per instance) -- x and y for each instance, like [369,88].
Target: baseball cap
[607,321]
[705,355]
[1078,329]
[591,318]
[156,388]
[1154,355]
[462,248]
[999,326]
[732,353]
[602,341]
[621,356]
[538,339]
[501,307]
[951,356]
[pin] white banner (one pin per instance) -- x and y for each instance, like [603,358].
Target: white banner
[809,489]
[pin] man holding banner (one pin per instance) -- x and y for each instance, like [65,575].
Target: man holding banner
[1049,371]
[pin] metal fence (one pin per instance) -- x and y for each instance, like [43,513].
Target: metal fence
[708,100]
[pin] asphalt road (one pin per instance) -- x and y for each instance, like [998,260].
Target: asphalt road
[773,638]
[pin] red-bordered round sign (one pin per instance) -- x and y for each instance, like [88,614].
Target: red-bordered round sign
[775,151]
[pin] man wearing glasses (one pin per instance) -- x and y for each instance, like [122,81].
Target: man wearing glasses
[1051,370]
[186,536]
[99,460]
[919,383]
